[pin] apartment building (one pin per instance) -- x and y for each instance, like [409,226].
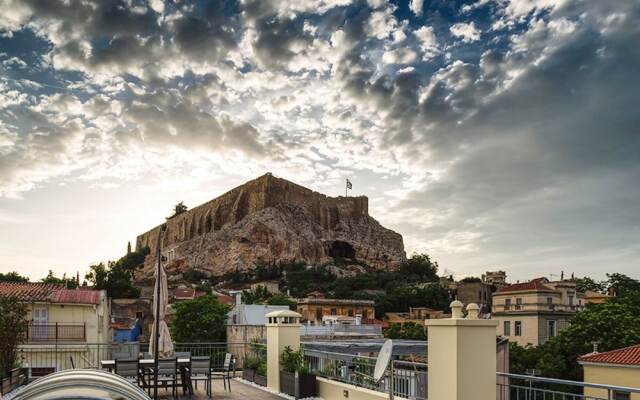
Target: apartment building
[314,309]
[620,367]
[534,311]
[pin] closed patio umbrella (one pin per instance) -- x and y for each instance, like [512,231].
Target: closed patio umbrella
[165,345]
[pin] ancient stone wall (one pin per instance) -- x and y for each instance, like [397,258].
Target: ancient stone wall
[253,196]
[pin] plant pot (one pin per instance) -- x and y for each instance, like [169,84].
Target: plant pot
[248,374]
[307,386]
[260,380]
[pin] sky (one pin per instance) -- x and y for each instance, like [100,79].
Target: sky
[492,134]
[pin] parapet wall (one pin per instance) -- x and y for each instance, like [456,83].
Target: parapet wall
[258,194]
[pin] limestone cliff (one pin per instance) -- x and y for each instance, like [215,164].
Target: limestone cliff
[271,221]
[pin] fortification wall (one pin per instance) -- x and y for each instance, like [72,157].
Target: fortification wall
[258,194]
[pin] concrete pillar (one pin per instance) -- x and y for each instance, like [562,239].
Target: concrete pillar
[283,329]
[462,356]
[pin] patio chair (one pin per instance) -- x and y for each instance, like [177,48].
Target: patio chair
[200,370]
[224,373]
[168,374]
[129,370]
[183,354]
[121,355]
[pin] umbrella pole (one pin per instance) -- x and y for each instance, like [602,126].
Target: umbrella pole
[157,320]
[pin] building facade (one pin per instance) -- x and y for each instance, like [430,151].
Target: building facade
[417,315]
[619,367]
[534,311]
[314,309]
[475,292]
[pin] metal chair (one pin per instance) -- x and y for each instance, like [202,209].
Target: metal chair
[129,370]
[168,374]
[224,373]
[200,370]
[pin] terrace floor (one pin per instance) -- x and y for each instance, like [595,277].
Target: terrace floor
[239,391]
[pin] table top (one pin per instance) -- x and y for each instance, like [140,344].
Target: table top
[144,361]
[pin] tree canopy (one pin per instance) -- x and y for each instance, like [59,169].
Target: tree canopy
[200,320]
[13,328]
[69,283]
[114,278]
[408,330]
[13,276]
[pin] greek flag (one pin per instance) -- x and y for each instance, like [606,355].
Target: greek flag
[349,185]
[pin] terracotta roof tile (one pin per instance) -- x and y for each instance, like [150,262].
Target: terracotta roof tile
[72,296]
[28,291]
[534,284]
[625,356]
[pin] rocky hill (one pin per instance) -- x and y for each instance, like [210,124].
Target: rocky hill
[271,221]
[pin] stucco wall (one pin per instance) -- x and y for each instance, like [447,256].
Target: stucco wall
[334,390]
[610,375]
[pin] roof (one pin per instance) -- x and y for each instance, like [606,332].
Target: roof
[534,284]
[47,292]
[28,291]
[224,299]
[625,356]
[69,296]
[183,293]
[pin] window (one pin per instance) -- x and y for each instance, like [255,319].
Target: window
[518,328]
[334,311]
[551,328]
[621,395]
[139,315]
[351,313]
[365,314]
[571,301]
[550,302]
[318,314]
[507,328]
[519,303]
[507,304]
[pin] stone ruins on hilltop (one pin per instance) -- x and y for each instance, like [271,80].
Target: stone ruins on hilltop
[271,221]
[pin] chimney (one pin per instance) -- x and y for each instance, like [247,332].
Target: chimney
[595,347]
[238,298]
[561,275]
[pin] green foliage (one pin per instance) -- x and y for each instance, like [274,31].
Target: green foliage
[13,328]
[613,324]
[471,279]
[419,268]
[13,277]
[280,299]
[115,279]
[69,283]
[200,320]
[133,259]
[259,295]
[586,283]
[301,280]
[204,288]
[194,275]
[179,209]
[409,330]
[293,361]
[402,297]
[267,272]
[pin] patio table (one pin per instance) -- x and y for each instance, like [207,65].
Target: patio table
[147,363]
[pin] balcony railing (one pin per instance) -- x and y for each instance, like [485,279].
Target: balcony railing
[340,330]
[56,333]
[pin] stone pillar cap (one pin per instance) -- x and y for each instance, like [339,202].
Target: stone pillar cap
[473,310]
[456,309]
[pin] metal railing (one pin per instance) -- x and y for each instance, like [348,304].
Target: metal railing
[402,379]
[525,387]
[340,330]
[56,333]
[44,358]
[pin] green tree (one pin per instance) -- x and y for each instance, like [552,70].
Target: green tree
[280,299]
[586,283]
[200,320]
[13,277]
[408,330]
[623,285]
[259,295]
[419,268]
[69,283]
[133,259]
[179,209]
[115,279]
[13,328]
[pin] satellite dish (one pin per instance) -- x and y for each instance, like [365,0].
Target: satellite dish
[384,357]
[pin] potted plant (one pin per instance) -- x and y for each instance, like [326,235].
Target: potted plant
[261,373]
[294,373]
[250,366]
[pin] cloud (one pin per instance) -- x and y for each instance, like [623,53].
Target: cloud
[467,32]
[416,6]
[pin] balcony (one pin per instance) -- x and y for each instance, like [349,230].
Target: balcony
[42,333]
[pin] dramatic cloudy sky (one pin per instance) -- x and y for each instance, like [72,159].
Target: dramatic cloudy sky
[490,133]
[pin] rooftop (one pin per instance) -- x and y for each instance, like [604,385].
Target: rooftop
[335,301]
[625,356]
[46,292]
[537,284]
